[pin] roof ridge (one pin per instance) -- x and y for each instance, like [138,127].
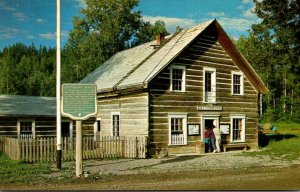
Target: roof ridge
[143,61]
[165,54]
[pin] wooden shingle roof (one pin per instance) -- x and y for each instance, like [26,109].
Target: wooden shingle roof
[27,106]
[136,67]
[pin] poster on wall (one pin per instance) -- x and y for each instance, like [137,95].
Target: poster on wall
[193,129]
[224,128]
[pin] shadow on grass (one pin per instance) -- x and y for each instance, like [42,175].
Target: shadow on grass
[264,139]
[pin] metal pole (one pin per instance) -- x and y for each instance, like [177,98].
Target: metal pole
[79,164]
[58,89]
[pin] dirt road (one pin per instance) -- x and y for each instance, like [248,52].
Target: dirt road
[185,173]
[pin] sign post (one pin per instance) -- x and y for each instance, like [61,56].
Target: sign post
[79,103]
[58,90]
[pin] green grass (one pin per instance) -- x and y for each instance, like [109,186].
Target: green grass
[284,145]
[18,171]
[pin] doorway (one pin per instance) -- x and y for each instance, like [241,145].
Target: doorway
[208,121]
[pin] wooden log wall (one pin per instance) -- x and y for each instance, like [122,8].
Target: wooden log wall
[44,126]
[206,51]
[133,111]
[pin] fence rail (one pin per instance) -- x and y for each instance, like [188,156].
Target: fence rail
[44,149]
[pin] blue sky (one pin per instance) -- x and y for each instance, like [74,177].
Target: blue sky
[34,21]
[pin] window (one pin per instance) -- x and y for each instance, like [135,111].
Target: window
[238,128]
[209,84]
[237,83]
[26,127]
[177,76]
[97,128]
[115,124]
[65,129]
[178,129]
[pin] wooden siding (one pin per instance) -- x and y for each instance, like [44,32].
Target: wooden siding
[44,126]
[133,109]
[205,51]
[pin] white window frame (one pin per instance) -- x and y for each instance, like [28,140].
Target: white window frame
[184,127]
[26,120]
[213,85]
[243,134]
[96,128]
[183,84]
[241,80]
[216,123]
[70,127]
[112,123]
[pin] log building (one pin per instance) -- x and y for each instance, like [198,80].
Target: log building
[172,88]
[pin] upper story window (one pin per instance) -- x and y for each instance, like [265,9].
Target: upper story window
[209,84]
[237,83]
[115,119]
[177,77]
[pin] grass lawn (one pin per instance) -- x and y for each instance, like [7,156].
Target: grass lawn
[284,144]
[18,171]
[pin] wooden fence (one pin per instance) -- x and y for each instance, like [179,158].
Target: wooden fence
[44,149]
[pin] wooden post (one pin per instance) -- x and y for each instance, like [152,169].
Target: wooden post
[79,167]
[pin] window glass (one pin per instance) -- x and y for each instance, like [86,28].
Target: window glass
[26,127]
[116,125]
[236,84]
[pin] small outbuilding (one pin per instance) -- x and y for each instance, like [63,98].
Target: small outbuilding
[33,116]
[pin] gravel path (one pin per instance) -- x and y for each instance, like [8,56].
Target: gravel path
[227,160]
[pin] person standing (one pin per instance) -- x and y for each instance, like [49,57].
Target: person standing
[207,140]
[217,134]
[212,140]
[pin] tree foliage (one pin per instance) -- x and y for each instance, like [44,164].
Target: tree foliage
[104,28]
[26,70]
[273,48]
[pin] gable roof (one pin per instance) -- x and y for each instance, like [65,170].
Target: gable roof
[27,106]
[136,67]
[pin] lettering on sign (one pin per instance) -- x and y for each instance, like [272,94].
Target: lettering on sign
[79,101]
[209,108]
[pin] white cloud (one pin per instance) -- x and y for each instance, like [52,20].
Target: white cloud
[216,14]
[6,7]
[80,3]
[20,16]
[249,13]
[171,22]
[235,24]
[8,33]
[40,20]
[48,35]
[52,35]
[246,1]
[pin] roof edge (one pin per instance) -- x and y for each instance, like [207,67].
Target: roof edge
[238,58]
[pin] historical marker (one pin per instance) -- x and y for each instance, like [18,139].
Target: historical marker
[79,101]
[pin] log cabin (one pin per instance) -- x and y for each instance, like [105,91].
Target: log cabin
[33,116]
[172,88]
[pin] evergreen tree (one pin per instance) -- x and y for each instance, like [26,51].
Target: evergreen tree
[273,48]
